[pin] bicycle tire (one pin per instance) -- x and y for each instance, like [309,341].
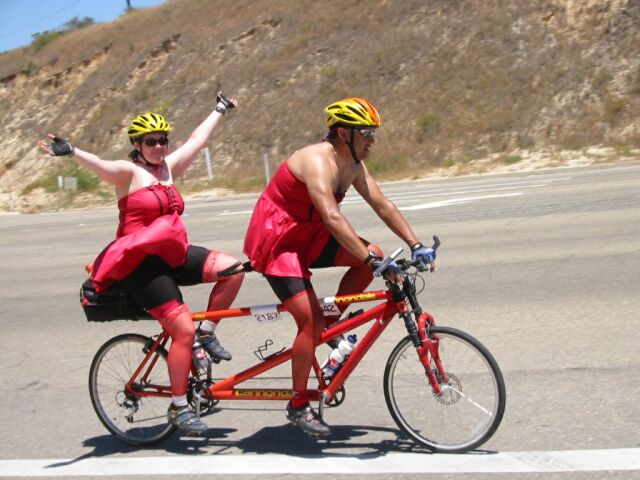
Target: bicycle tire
[139,421]
[471,407]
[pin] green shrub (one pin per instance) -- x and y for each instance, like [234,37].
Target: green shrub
[40,39]
[429,123]
[29,68]
[511,159]
[86,180]
[44,38]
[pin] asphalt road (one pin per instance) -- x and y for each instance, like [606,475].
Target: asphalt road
[543,268]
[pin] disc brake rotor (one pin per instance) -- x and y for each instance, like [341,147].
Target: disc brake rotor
[450,391]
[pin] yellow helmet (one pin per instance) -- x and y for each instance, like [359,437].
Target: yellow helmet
[353,111]
[147,123]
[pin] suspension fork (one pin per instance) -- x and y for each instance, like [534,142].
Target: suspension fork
[427,345]
[428,351]
[401,296]
[418,324]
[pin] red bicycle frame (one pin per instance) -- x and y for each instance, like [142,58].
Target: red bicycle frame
[226,389]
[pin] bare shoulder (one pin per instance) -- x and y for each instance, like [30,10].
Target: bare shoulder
[124,164]
[311,160]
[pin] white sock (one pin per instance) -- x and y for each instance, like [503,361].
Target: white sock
[179,401]
[207,326]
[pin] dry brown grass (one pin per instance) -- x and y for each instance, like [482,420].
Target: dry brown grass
[453,80]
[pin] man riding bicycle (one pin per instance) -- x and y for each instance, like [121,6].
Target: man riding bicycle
[297,225]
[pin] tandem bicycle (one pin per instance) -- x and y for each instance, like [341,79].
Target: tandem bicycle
[442,387]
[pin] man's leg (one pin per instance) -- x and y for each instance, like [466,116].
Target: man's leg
[359,276]
[356,279]
[301,301]
[308,316]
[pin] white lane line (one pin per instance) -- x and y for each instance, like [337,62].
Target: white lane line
[482,187]
[505,462]
[457,201]
[401,198]
[443,203]
[354,198]
[241,212]
[489,187]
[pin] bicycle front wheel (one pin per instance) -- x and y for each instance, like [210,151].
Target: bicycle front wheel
[469,409]
[134,418]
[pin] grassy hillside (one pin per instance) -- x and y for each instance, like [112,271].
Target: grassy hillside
[454,81]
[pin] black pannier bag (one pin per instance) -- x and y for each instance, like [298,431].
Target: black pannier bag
[113,304]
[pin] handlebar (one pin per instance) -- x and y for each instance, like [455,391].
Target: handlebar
[404,264]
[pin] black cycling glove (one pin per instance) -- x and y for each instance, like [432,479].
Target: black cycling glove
[223,104]
[61,147]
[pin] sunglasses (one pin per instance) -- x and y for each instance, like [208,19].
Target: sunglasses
[152,142]
[367,133]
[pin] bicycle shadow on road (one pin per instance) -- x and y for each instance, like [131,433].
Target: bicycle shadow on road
[345,441]
[107,445]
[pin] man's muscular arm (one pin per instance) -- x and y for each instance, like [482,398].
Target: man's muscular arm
[368,188]
[318,176]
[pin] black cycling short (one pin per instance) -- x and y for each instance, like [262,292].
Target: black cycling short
[287,287]
[154,282]
[327,257]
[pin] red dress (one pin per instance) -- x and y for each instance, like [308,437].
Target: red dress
[286,233]
[150,224]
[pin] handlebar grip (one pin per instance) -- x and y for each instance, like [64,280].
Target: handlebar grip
[436,243]
[383,266]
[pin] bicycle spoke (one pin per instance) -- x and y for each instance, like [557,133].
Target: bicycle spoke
[136,419]
[468,408]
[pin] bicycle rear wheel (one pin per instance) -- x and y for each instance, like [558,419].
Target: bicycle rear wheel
[469,409]
[135,419]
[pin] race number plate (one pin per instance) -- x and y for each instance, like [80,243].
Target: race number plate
[265,313]
[329,307]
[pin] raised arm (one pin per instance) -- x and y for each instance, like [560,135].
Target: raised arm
[116,172]
[179,160]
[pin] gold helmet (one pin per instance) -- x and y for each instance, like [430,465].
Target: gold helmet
[147,123]
[353,111]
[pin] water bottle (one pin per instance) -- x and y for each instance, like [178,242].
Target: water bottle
[200,359]
[338,355]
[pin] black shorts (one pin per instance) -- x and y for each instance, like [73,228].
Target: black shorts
[154,282]
[287,287]
[327,257]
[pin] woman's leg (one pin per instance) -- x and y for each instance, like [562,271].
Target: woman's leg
[226,289]
[221,297]
[176,320]
[202,266]
[153,287]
